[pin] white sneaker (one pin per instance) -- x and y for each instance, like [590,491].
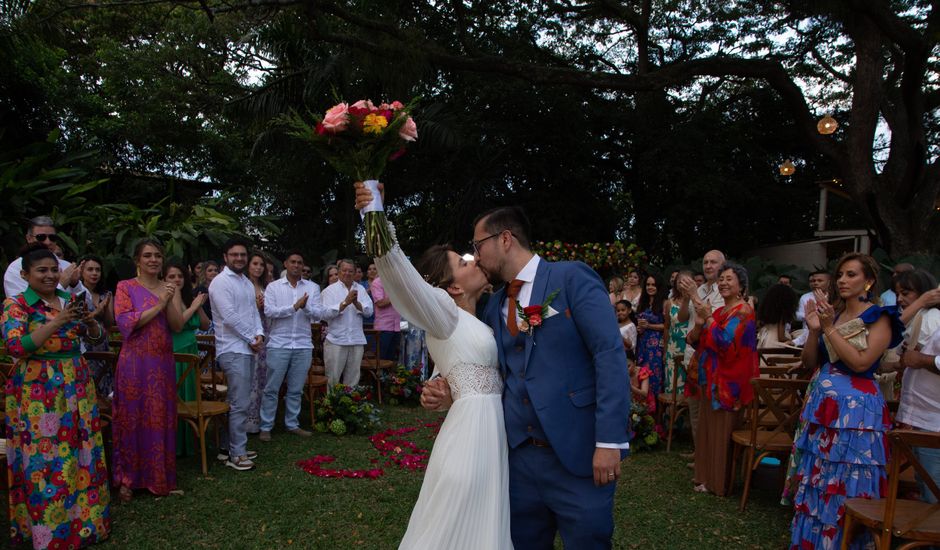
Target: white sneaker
[223,456]
[241,463]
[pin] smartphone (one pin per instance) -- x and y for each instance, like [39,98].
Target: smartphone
[79,299]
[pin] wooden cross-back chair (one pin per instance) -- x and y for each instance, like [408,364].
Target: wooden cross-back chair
[373,365]
[110,359]
[317,366]
[772,417]
[200,412]
[211,380]
[914,521]
[676,403]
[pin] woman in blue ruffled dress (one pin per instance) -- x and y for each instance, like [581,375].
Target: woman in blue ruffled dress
[840,449]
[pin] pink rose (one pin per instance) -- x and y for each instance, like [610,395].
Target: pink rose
[384,107]
[409,130]
[336,118]
[397,106]
[364,104]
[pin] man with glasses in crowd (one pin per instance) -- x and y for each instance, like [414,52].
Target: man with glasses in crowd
[41,229]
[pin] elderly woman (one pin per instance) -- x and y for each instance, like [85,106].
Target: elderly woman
[841,446]
[58,481]
[726,356]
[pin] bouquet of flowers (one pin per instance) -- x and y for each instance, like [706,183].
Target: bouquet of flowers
[346,409]
[404,385]
[358,140]
[646,433]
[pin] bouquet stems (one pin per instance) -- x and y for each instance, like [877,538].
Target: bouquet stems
[378,239]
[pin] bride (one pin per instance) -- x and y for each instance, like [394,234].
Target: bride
[464,500]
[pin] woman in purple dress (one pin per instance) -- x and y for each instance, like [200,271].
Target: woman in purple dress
[145,383]
[650,325]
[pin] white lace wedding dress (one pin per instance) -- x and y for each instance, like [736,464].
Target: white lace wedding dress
[464,500]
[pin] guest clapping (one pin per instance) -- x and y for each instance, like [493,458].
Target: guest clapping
[184,341]
[726,358]
[345,304]
[291,304]
[841,445]
[145,383]
[55,458]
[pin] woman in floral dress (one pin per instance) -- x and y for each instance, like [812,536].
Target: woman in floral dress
[258,275]
[676,315]
[650,325]
[55,465]
[841,447]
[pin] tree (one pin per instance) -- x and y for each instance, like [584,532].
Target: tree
[874,56]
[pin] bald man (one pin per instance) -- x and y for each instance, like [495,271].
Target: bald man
[708,293]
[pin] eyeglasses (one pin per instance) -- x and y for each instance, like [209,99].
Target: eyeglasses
[475,245]
[41,237]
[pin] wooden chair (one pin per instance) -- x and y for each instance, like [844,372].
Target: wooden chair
[315,386]
[317,367]
[771,421]
[676,403]
[110,359]
[374,366]
[915,521]
[211,380]
[200,412]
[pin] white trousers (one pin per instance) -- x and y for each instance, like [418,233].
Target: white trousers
[342,363]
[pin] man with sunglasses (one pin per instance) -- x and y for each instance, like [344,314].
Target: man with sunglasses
[41,229]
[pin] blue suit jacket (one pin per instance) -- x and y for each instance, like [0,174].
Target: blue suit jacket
[576,368]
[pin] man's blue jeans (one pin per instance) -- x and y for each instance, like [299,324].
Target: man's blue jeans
[292,365]
[239,369]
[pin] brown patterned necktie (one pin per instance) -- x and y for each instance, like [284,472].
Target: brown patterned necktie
[511,292]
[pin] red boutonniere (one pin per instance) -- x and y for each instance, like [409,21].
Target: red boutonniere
[531,317]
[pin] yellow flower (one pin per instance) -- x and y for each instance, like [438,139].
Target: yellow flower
[374,124]
[64,449]
[55,512]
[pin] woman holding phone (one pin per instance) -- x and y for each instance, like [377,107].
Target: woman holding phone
[58,480]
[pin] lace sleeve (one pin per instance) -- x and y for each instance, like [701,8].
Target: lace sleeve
[429,308]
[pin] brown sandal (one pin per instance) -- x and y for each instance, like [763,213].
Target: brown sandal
[125,493]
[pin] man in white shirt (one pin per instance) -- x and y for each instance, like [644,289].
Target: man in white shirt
[41,229]
[239,335]
[291,304]
[818,280]
[921,407]
[345,304]
[708,293]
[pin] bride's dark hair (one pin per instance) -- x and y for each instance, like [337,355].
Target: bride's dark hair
[434,266]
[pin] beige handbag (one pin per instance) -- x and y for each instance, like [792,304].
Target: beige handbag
[855,333]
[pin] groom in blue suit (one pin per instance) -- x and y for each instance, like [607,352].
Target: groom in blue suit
[566,396]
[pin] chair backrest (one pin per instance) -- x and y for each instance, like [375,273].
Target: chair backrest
[374,355]
[207,365]
[776,406]
[191,364]
[902,443]
[109,358]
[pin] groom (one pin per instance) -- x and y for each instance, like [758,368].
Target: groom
[566,398]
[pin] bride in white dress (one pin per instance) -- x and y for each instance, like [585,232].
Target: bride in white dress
[464,500]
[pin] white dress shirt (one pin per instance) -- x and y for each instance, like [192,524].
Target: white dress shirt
[527,275]
[234,313]
[289,327]
[920,388]
[14,283]
[345,326]
[801,309]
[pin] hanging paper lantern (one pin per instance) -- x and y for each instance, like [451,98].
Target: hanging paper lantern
[827,125]
[787,168]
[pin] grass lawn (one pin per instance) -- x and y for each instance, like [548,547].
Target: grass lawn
[279,506]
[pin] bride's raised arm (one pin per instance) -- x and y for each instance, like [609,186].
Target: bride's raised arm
[426,306]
